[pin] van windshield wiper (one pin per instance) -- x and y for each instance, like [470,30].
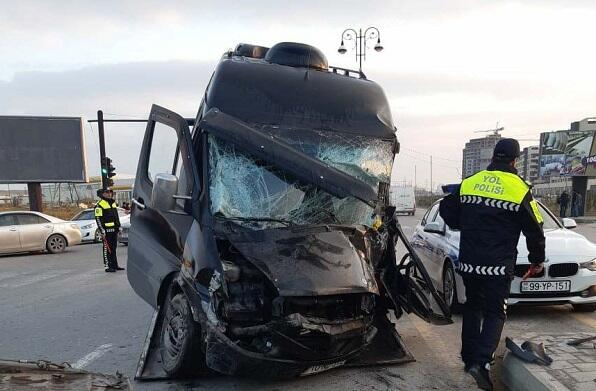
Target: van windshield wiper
[258,219]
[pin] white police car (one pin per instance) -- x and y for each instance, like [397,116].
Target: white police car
[569,274]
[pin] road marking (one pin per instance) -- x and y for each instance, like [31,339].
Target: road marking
[17,281]
[94,355]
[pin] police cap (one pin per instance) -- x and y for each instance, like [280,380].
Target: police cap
[506,150]
[101,191]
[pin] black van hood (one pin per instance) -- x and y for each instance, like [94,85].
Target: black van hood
[306,261]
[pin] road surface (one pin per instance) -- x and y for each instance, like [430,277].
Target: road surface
[65,308]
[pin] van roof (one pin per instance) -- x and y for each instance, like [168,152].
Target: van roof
[258,92]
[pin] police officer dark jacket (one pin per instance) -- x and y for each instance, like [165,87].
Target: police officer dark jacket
[490,208]
[106,215]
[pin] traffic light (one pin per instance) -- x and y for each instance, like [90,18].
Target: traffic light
[107,172]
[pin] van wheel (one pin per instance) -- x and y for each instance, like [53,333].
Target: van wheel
[450,287]
[181,352]
[56,244]
[584,307]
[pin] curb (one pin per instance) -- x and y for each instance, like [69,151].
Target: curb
[518,375]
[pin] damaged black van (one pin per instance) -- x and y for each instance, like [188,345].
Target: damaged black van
[261,231]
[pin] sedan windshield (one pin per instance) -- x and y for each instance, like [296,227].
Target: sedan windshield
[255,193]
[549,221]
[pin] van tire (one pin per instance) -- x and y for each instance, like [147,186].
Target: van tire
[180,340]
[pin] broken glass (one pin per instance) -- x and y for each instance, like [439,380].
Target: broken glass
[244,187]
[366,158]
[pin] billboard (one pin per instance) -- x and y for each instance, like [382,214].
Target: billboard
[42,149]
[567,152]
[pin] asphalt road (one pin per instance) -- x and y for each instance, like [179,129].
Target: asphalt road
[65,308]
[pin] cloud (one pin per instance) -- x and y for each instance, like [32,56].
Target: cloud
[123,90]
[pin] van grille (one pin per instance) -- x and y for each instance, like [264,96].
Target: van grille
[563,270]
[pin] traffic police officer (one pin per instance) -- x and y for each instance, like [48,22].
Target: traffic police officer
[108,222]
[491,208]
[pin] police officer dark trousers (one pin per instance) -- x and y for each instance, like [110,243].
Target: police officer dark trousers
[106,216]
[491,208]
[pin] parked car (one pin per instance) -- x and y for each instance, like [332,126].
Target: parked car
[402,197]
[569,274]
[34,231]
[85,219]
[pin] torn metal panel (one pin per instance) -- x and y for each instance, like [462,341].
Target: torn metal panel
[305,263]
[42,374]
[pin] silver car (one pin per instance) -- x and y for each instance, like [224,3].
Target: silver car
[34,231]
[85,219]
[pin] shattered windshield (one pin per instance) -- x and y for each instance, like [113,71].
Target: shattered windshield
[253,191]
[365,158]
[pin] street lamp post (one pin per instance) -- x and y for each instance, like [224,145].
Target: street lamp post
[360,39]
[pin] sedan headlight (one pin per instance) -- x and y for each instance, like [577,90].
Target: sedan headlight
[88,226]
[590,265]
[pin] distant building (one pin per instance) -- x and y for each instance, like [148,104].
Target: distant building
[527,164]
[585,125]
[478,153]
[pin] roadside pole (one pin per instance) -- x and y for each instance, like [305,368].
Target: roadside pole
[102,147]
[34,193]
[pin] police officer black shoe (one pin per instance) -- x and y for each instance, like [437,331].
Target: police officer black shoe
[119,268]
[110,270]
[481,376]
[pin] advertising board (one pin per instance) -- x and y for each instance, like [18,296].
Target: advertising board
[42,149]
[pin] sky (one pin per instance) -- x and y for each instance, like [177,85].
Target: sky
[448,68]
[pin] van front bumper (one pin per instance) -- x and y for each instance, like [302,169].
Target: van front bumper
[224,356]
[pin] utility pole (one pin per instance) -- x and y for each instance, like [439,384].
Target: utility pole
[431,176]
[414,178]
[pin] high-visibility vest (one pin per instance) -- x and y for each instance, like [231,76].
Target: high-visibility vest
[497,189]
[107,214]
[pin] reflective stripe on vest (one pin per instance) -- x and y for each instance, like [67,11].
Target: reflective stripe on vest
[109,224]
[497,185]
[497,189]
[537,214]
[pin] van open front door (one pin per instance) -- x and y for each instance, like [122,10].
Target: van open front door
[165,189]
[407,281]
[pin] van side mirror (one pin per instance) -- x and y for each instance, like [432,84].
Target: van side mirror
[435,227]
[569,223]
[165,187]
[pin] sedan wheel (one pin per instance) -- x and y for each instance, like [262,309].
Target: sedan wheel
[56,244]
[97,237]
[449,289]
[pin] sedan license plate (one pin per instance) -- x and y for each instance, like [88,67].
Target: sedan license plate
[545,286]
[320,368]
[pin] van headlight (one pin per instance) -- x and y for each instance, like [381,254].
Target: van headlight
[590,265]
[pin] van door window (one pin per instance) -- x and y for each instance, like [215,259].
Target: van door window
[163,151]
[184,188]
